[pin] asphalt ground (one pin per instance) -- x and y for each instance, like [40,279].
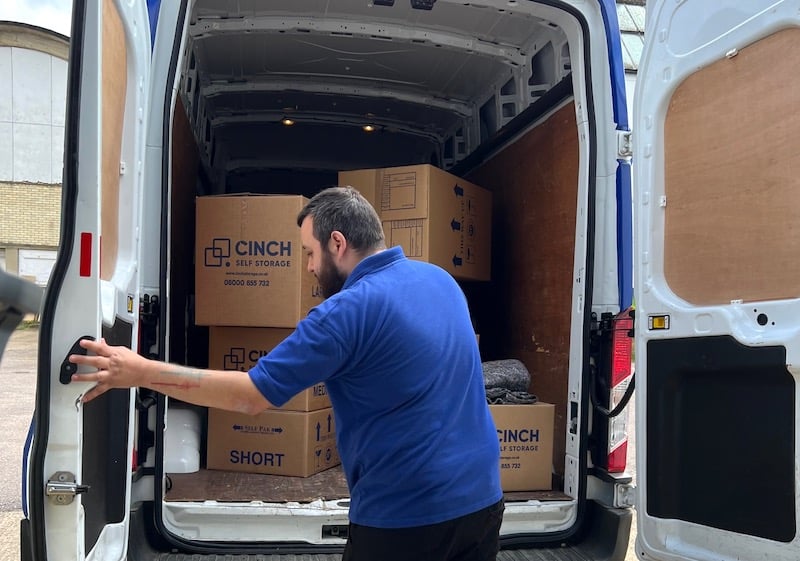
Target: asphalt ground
[17,395]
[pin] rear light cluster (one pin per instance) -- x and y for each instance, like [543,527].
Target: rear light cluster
[611,389]
[621,379]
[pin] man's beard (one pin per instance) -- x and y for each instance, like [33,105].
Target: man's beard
[331,280]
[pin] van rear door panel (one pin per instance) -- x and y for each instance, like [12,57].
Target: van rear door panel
[717,280]
[80,466]
[718,407]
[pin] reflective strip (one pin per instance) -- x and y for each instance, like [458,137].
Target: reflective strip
[86,254]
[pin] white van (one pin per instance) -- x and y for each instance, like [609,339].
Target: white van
[169,101]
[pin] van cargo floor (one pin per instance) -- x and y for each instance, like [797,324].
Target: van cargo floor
[228,486]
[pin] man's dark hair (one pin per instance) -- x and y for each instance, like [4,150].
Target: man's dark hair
[346,210]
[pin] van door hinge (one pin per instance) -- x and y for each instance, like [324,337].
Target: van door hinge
[62,488]
[624,495]
[624,145]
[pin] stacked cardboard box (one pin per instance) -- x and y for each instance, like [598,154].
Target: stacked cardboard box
[525,433]
[252,287]
[249,263]
[239,348]
[433,215]
[274,442]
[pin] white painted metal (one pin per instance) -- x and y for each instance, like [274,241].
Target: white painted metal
[87,302]
[683,37]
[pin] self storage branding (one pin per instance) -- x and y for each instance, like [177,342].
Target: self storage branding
[250,269]
[525,434]
[239,348]
[273,442]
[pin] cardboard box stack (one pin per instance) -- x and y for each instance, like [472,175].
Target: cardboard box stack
[252,287]
[250,269]
[434,215]
[274,442]
[525,433]
[239,348]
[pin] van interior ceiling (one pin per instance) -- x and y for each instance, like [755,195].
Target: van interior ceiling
[275,103]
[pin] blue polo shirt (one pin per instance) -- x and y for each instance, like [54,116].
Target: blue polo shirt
[397,352]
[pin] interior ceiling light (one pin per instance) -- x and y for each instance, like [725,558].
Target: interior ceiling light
[287,121]
[369,128]
[422,4]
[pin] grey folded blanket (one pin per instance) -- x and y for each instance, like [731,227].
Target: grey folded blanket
[510,374]
[507,381]
[497,396]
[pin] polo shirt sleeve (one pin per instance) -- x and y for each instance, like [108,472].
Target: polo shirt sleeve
[311,354]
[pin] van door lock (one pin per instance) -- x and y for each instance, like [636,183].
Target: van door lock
[62,488]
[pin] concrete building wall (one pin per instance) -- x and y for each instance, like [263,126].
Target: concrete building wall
[33,89]
[32,109]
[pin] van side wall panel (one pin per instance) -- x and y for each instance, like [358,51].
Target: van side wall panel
[185,165]
[523,312]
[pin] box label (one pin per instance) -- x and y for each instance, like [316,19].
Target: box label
[399,191]
[408,234]
[248,262]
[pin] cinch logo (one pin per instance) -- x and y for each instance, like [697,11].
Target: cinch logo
[234,360]
[518,435]
[260,248]
[220,250]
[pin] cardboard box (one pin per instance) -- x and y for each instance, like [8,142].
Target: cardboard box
[239,348]
[365,181]
[434,215]
[525,433]
[250,266]
[273,442]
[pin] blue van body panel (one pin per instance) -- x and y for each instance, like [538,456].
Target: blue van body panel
[624,234]
[624,195]
[614,44]
[153,7]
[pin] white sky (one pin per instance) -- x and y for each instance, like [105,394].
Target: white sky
[50,14]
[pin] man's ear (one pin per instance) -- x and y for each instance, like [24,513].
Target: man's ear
[338,243]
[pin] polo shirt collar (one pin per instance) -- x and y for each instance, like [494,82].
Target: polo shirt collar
[373,263]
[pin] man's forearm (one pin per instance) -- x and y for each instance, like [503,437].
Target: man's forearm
[222,389]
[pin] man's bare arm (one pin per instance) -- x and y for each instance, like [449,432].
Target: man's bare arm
[119,367]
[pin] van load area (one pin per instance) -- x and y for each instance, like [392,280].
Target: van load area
[281,97]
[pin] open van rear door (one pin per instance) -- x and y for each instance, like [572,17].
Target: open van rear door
[79,470]
[717,282]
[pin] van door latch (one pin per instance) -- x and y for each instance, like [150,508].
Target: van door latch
[69,368]
[62,488]
[624,144]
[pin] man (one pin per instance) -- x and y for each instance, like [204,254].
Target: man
[394,344]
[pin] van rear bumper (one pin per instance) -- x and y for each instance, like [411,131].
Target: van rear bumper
[603,536]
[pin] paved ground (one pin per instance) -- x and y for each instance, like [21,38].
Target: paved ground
[17,394]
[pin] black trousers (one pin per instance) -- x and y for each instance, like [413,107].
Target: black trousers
[473,537]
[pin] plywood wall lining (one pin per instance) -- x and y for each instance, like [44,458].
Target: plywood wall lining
[732,177]
[114,88]
[184,173]
[534,184]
